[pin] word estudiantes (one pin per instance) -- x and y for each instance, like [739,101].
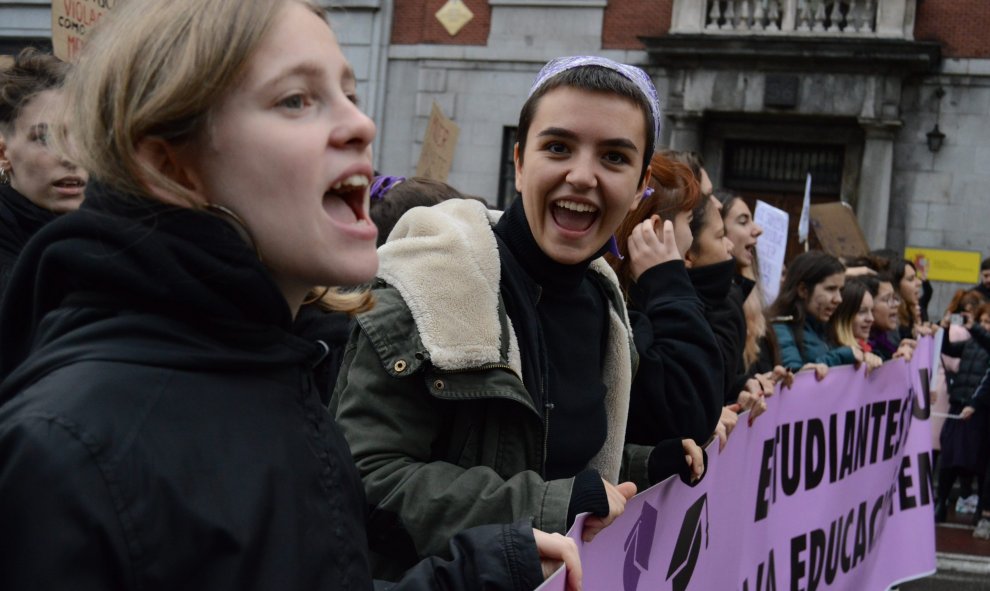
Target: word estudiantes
[807,450]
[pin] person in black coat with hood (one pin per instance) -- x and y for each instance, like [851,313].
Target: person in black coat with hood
[677,389]
[160,427]
[36,185]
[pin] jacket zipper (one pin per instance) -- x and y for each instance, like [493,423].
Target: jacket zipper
[545,394]
[546,436]
[547,406]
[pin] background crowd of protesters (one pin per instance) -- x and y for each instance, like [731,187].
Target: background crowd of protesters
[217,374]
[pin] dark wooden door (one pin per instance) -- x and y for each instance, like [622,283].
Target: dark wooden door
[776,172]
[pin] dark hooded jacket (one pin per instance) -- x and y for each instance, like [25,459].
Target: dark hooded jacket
[160,427]
[19,220]
[678,390]
[723,293]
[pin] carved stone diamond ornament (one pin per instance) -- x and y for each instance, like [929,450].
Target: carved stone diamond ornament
[453,16]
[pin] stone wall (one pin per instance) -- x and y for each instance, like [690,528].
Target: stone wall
[482,88]
[942,200]
[362,28]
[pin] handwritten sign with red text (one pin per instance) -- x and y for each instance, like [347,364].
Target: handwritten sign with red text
[72,20]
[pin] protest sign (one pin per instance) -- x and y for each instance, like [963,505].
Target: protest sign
[771,247]
[805,213]
[439,143]
[830,488]
[838,230]
[934,264]
[72,20]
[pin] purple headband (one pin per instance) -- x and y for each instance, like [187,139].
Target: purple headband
[635,75]
[384,184]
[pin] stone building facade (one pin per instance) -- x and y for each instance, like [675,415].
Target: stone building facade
[763,89]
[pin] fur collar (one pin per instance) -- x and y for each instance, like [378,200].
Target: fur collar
[444,262]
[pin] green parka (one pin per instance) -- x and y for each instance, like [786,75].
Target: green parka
[430,398]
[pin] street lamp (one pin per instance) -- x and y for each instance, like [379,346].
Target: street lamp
[935,139]
[935,136]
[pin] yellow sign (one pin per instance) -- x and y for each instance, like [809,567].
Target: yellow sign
[453,16]
[956,266]
[71,21]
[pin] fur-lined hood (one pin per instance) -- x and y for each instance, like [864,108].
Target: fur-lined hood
[444,262]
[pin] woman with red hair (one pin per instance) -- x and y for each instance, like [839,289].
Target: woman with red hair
[676,394]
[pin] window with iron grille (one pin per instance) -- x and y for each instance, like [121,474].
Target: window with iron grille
[507,169]
[776,166]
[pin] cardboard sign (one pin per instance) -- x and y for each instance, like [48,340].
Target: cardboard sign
[439,143]
[771,247]
[72,20]
[838,230]
[957,266]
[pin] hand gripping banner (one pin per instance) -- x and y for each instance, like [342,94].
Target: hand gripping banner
[829,489]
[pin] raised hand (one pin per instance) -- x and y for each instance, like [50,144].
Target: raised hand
[647,249]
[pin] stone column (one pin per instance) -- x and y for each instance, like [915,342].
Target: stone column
[685,131]
[873,203]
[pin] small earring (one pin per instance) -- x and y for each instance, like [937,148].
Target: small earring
[4,176]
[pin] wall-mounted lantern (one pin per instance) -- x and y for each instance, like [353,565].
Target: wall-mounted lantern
[935,139]
[935,136]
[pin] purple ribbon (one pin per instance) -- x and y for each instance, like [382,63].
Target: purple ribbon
[613,247]
[383,184]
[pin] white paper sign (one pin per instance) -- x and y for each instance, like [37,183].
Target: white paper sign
[771,247]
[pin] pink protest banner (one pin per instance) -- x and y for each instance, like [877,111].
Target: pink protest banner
[829,489]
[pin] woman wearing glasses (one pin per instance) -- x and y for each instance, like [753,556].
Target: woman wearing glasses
[884,339]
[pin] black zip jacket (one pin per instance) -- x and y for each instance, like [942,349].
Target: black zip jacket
[160,427]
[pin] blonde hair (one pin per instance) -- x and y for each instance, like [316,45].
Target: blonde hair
[840,324]
[756,325]
[155,70]
[336,299]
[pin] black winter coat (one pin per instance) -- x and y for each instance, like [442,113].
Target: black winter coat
[677,390]
[19,220]
[974,360]
[723,299]
[160,427]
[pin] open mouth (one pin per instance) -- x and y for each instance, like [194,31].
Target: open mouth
[573,216]
[344,201]
[70,185]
